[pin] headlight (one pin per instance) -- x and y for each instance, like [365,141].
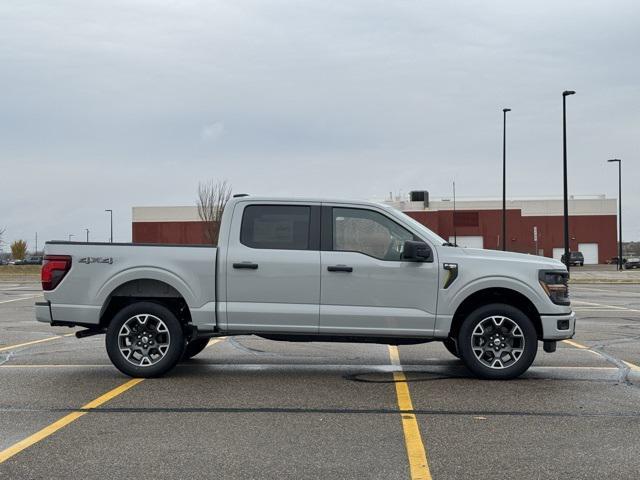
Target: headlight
[555,284]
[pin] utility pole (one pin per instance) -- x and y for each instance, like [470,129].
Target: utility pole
[87,230]
[619,162]
[36,243]
[504,177]
[567,259]
[455,236]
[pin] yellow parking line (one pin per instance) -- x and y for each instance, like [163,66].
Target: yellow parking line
[42,340]
[576,344]
[67,419]
[214,340]
[632,366]
[418,465]
[64,421]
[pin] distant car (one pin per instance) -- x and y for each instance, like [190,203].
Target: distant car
[33,260]
[575,258]
[631,263]
[4,261]
[614,260]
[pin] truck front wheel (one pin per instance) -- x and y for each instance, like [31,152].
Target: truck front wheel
[497,342]
[145,339]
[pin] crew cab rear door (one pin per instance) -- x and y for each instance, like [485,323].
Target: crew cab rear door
[273,268]
[366,287]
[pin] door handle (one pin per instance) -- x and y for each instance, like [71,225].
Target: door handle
[340,268]
[246,265]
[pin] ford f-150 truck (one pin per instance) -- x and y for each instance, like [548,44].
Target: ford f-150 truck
[309,270]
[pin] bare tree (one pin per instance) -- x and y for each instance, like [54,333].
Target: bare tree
[2,230]
[213,196]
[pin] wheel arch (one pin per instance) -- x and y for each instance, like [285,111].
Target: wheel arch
[491,295]
[144,289]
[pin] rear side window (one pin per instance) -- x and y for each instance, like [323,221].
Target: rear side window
[284,227]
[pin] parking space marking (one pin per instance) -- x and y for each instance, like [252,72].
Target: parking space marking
[632,366]
[73,416]
[34,342]
[418,464]
[604,305]
[22,298]
[66,420]
[575,344]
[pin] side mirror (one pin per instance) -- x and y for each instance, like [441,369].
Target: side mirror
[415,251]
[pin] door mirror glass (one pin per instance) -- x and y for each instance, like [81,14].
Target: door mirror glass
[416,251]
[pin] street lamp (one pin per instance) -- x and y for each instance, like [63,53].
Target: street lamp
[87,230]
[111,214]
[504,177]
[565,94]
[619,210]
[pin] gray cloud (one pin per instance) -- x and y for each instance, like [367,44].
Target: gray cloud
[100,102]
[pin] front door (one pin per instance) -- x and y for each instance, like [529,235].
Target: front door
[366,287]
[273,269]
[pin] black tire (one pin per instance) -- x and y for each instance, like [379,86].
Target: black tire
[451,346]
[582,264]
[522,338]
[194,347]
[163,346]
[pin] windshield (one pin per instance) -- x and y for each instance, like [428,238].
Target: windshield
[417,225]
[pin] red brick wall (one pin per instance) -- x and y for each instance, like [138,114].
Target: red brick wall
[600,229]
[187,233]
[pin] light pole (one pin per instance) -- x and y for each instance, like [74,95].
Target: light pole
[87,230]
[71,235]
[455,235]
[564,165]
[111,214]
[620,263]
[504,177]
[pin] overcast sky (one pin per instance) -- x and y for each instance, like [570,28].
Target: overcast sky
[122,103]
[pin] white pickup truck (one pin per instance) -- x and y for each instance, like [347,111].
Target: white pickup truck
[309,270]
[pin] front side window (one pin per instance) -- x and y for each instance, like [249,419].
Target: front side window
[368,232]
[284,227]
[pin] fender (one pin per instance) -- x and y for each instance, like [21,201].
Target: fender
[494,281]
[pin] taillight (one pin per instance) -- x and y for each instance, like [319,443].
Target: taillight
[54,268]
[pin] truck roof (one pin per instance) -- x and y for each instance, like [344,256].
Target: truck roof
[252,198]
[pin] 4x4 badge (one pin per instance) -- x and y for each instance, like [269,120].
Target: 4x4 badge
[89,260]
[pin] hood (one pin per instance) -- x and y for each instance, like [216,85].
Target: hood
[499,255]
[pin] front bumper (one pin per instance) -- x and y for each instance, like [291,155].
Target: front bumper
[43,312]
[551,326]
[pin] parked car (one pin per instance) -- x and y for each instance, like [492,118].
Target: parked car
[32,260]
[630,263]
[575,258]
[309,270]
[614,260]
[4,261]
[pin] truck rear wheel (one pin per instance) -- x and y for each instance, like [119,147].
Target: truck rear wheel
[194,347]
[145,339]
[497,342]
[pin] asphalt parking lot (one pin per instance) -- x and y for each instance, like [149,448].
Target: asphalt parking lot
[253,408]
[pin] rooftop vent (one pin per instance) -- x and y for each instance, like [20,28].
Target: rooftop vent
[420,196]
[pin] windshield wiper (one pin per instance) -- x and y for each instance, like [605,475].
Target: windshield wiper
[449,244]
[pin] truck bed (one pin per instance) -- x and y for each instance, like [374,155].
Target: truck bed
[100,271]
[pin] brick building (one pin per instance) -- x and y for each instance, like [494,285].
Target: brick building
[532,224]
